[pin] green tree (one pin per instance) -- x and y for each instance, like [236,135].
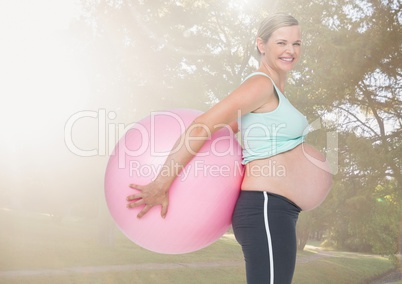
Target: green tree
[354,57]
[167,54]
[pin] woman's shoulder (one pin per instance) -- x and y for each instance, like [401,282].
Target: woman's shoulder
[259,78]
[259,82]
[259,74]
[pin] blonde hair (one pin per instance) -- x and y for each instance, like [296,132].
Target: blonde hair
[272,23]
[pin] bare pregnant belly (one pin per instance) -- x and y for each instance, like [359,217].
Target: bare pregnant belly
[301,175]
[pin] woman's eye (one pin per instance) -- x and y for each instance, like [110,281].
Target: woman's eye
[281,43]
[297,44]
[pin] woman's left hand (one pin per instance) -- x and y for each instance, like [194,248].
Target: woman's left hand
[150,195]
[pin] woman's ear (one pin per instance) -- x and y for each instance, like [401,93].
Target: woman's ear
[260,45]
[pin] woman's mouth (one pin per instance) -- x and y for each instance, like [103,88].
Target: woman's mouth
[287,59]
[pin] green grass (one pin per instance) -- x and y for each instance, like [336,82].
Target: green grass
[341,268]
[73,251]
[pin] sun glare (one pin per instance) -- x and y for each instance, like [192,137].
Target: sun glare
[39,75]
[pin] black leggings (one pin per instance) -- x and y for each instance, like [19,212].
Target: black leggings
[265,226]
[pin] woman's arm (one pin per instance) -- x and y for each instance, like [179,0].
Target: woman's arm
[252,94]
[156,192]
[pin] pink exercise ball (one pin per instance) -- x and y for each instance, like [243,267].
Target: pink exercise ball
[201,199]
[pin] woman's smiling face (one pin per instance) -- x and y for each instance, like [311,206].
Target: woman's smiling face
[282,50]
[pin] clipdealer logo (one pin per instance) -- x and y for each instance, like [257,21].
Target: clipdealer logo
[109,132]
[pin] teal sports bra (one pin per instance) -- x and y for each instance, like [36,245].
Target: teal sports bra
[270,133]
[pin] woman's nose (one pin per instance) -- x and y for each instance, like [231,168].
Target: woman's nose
[290,48]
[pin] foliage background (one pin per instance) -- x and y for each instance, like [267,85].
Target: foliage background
[133,57]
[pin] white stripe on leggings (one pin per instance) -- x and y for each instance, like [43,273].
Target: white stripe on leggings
[271,257]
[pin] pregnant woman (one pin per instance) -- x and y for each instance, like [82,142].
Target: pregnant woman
[283,175]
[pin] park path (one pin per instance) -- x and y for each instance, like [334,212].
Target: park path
[116,268]
[4,275]
[143,266]
[390,277]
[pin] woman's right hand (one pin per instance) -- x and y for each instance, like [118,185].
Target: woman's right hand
[150,195]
